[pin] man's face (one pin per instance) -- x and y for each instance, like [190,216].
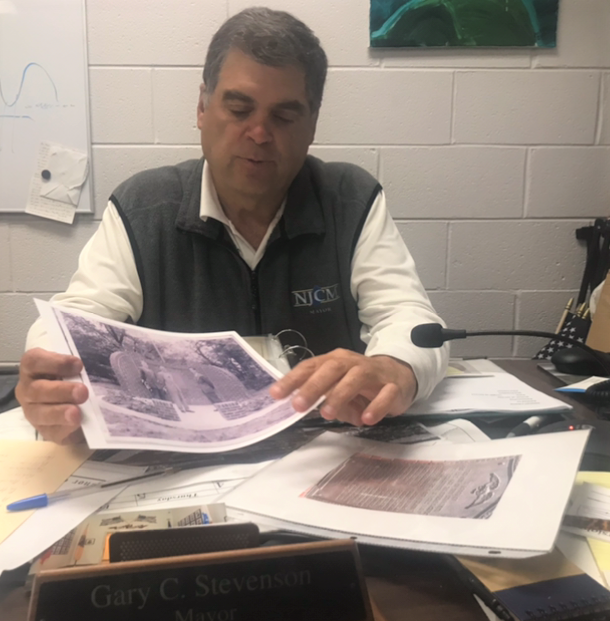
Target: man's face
[255,127]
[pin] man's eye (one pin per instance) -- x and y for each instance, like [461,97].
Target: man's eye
[240,113]
[284,119]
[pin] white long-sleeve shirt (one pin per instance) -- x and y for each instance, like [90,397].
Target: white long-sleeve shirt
[384,282]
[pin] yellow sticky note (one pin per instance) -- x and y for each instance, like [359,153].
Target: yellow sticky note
[599,549]
[596,478]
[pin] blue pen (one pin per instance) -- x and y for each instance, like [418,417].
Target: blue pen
[43,500]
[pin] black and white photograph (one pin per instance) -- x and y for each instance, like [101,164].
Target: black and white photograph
[201,392]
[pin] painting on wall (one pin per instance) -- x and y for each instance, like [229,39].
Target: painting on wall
[464,23]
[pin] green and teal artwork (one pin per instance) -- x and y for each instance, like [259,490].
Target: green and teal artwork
[464,23]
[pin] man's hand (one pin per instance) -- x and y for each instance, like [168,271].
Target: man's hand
[360,390]
[49,403]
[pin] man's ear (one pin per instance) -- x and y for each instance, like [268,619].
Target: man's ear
[201,104]
[314,124]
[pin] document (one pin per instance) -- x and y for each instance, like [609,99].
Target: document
[505,497]
[497,393]
[590,497]
[44,527]
[182,489]
[87,544]
[588,513]
[148,389]
[29,469]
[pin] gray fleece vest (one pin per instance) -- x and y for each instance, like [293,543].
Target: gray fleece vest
[194,280]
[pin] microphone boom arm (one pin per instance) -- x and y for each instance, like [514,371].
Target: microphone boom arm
[556,337]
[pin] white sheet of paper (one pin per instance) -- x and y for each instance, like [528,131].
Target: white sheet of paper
[50,524]
[466,498]
[183,488]
[577,550]
[498,393]
[590,501]
[459,431]
[582,385]
[68,170]
[43,206]
[13,426]
[155,390]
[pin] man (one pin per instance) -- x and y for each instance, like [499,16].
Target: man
[255,237]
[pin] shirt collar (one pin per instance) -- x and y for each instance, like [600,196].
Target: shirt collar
[200,210]
[210,206]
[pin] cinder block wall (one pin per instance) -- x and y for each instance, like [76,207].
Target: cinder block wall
[490,159]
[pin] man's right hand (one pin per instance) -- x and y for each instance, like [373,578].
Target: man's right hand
[49,403]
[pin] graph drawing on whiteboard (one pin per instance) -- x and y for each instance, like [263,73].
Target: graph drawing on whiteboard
[43,91]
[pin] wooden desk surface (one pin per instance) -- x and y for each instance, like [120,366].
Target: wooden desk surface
[400,581]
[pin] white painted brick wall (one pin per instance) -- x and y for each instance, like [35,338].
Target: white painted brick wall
[538,310]
[555,191]
[401,107]
[45,254]
[605,111]
[526,107]
[474,309]
[121,106]
[427,242]
[112,165]
[5,258]
[513,255]
[490,158]
[454,182]
[175,96]
[151,32]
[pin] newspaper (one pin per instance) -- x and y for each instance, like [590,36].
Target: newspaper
[148,389]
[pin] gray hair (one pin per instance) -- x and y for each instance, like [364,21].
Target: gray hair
[273,38]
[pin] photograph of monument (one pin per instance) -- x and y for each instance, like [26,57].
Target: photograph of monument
[152,389]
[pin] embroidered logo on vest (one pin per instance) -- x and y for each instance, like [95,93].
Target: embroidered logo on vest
[316,296]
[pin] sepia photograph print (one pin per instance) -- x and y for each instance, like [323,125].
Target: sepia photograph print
[170,391]
[458,489]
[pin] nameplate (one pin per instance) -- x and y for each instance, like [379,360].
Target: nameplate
[303,582]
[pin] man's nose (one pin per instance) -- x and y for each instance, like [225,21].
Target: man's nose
[259,131]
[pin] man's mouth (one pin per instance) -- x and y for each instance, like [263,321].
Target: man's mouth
[254,160]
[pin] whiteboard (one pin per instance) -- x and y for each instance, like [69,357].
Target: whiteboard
[43,91]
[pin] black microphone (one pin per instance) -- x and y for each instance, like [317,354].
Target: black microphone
[434,335]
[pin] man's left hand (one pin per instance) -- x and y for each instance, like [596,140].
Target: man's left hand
[358,389]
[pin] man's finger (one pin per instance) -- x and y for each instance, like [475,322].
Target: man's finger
[54,391]
[381,405]
[352,384]
[76,437]
[352,412]
[41,363]
[60,434]
[294,379]
[42,415]
[318,384]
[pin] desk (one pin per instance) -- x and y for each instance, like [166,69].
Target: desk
[399,581]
